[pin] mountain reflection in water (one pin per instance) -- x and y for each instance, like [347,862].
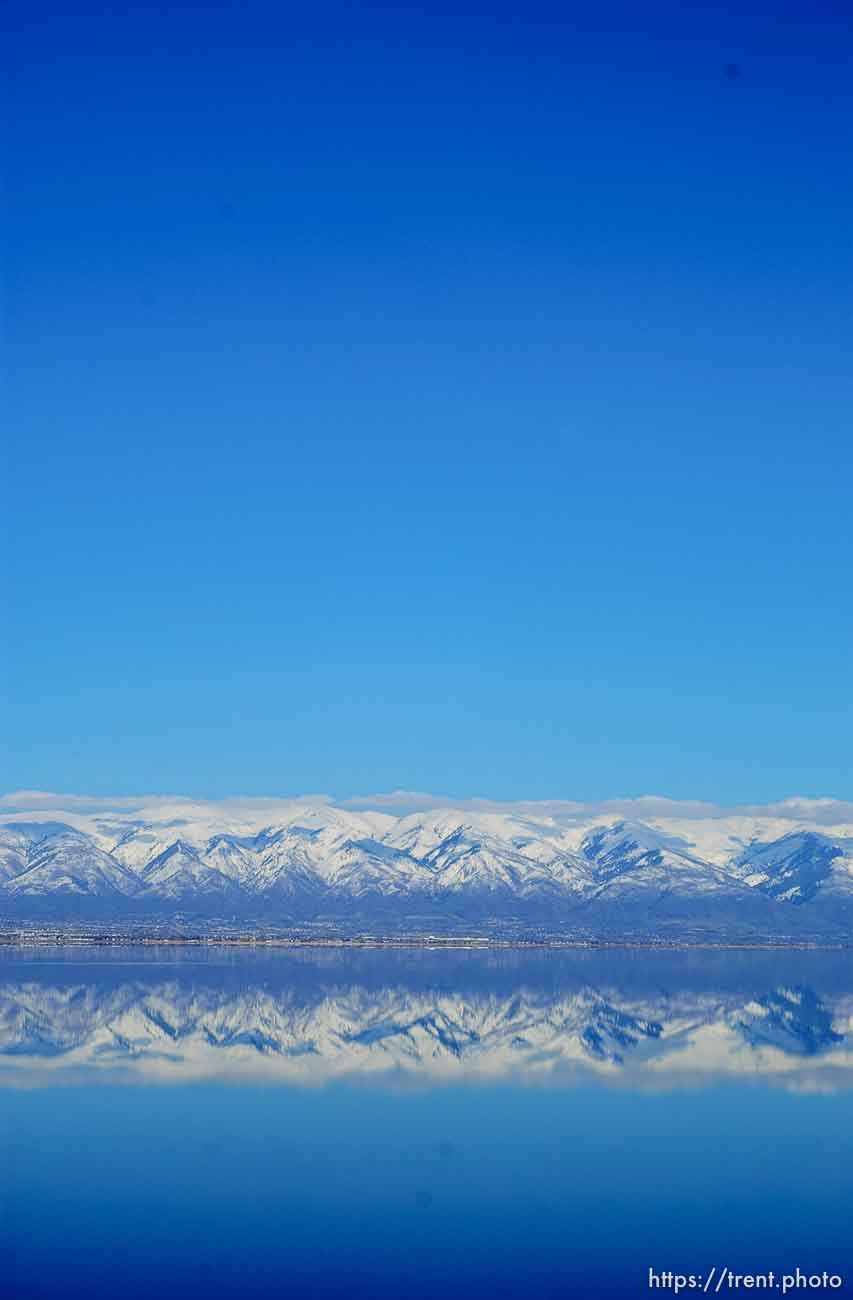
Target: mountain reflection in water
[645,1019]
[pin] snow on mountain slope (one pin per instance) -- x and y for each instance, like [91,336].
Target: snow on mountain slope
[492,852]
[14,846]
[70,863]
[180,870]
[331,858]
[318,860]
[794,867]
[631,857]
[721,839]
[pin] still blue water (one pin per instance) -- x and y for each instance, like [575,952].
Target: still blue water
[238,1123]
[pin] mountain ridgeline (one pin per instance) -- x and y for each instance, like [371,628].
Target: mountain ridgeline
[441,871]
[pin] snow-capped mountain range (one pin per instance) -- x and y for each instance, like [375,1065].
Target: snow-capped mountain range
[577,872]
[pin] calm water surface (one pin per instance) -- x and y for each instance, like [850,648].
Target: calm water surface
[406,1123]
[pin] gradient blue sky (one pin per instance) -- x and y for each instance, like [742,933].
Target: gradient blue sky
[451,399]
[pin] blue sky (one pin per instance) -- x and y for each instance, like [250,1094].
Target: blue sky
[454,400]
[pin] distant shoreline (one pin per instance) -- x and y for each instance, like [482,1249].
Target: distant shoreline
[432,942]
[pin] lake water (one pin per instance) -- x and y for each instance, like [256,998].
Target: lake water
[224,1123]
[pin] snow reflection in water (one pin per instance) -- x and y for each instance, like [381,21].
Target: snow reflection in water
[648,1019]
